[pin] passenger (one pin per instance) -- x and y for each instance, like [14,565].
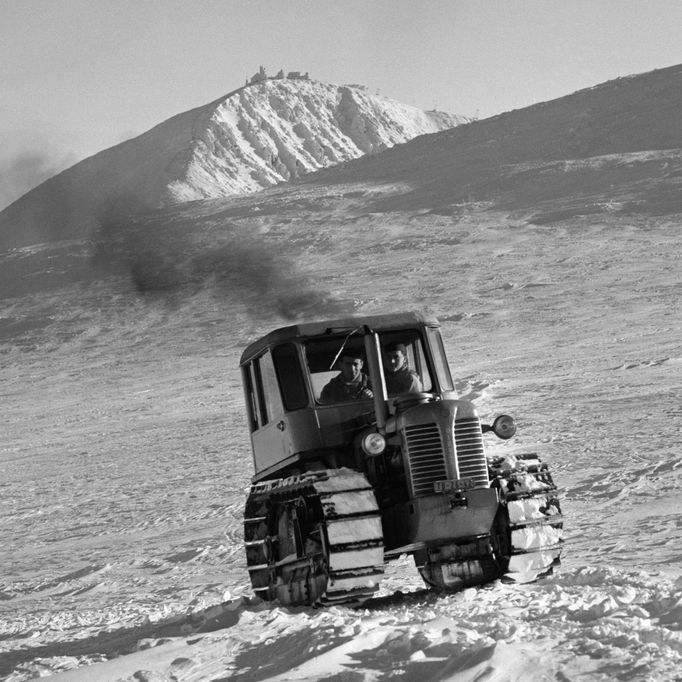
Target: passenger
[399,377]
[350,384]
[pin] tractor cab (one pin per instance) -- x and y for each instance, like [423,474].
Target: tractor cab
[295,415]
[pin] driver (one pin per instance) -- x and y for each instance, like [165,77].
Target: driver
[350,384]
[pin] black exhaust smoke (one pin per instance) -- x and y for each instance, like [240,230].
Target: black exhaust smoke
[182,258]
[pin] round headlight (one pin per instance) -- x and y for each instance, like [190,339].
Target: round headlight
[373,443]
[504,426]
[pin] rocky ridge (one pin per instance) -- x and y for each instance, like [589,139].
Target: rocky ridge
[257,136]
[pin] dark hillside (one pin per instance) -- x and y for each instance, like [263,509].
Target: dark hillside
[637,113]
[517,157]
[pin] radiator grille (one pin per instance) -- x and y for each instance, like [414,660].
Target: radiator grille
[426,458]
[471,460]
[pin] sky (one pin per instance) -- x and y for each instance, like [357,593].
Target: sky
[79,76]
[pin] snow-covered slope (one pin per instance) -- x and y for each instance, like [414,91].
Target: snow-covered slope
[125,452]
[257,136]
[278,130]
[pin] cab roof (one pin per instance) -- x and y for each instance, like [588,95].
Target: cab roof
[323,328]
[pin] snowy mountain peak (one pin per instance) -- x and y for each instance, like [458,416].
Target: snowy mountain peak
[279,129]
[264,133]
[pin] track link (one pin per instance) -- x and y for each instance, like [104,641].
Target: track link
[314,539]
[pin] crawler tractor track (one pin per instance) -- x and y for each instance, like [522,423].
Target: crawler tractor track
[524,542]
[533,516]
[314,538]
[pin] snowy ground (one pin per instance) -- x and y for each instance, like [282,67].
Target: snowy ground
[124,456]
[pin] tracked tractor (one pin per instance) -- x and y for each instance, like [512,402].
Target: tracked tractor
[346,481]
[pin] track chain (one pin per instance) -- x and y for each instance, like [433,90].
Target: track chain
[525,540]
[535,522]
[333,525]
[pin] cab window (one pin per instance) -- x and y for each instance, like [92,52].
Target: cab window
[254,395]
[323,358]
[291,381]
[440,359]
[262,391]
[413,354]
[250,395]
[272,400]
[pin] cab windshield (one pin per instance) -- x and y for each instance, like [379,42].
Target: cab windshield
[339,372]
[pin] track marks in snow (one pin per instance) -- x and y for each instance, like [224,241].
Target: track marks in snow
[647,363]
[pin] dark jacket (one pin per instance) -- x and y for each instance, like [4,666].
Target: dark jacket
[338,391]
[405,380]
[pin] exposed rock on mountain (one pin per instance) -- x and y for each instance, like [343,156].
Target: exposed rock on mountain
[257,136]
